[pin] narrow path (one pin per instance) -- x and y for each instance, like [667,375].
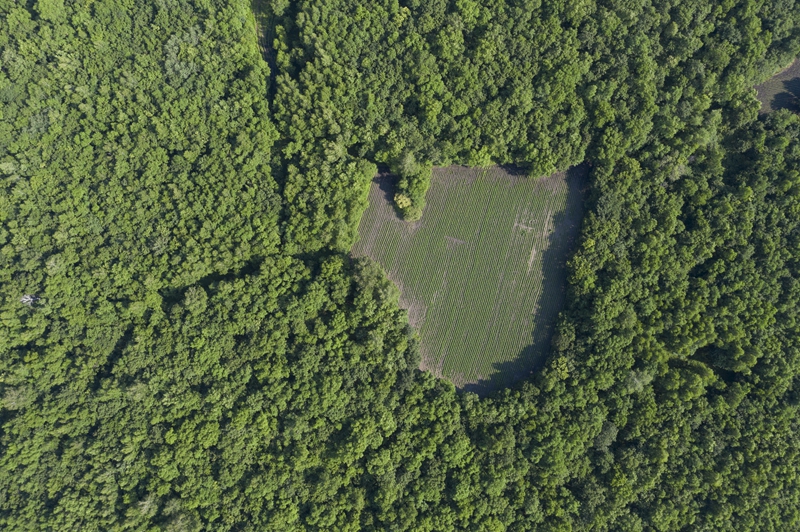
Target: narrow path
[265,31]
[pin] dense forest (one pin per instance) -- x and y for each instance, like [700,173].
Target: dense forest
[185,343]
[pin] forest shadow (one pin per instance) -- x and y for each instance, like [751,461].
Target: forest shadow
[561,245]
[515,170]
[173,295]
[791,98]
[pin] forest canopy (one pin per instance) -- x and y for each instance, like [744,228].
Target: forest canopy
[185,343]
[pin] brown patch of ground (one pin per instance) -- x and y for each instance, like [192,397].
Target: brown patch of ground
[460,380]
[416,312]
[430,363]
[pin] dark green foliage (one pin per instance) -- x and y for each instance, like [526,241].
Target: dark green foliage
[183,347]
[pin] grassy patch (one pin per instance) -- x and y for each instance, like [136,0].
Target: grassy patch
[782,90]
[482,272]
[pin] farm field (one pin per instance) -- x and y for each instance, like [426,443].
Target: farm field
[482,273]
[782,90]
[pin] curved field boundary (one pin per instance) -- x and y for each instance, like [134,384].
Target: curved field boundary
[482,273]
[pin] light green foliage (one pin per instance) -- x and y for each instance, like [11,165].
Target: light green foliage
[51,10]
[482,272]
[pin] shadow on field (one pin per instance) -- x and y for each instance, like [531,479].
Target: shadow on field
[561,244]
[782,91]
[515,170]
[792,87]
[387,184]
[790,97]
[784,100]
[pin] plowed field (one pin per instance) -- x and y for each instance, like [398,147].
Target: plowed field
[482,273]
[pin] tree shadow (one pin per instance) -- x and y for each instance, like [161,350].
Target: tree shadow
[789,98]
[516,170]
[387,184]
[792,86]
[172,295]
[781,91]
[561,245]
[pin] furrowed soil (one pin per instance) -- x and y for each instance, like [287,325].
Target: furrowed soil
[782,91]
[482,273]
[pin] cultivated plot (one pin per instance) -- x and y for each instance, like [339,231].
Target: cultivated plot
[482,273]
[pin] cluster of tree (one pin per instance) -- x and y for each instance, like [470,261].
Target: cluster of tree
[172,357]
[417,83]
[135,148]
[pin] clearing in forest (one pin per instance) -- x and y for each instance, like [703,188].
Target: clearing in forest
[482,273]
[265,31]
[781,91]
